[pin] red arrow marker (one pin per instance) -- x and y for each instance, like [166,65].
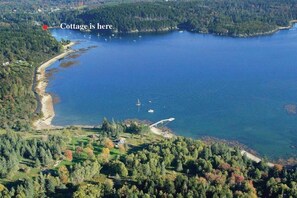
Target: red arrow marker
[45,27]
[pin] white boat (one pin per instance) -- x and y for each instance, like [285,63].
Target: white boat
[151,111]
[138,103]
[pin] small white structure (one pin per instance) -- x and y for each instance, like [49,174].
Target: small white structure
[5,64]
[138,103]
[151,111]
[120,141]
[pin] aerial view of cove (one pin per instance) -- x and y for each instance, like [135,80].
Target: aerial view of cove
[229,88]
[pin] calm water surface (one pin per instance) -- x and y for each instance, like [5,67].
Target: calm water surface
[231,88]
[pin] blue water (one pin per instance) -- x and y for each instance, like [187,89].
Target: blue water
[231,88]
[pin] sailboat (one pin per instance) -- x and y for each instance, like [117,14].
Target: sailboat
[138,103]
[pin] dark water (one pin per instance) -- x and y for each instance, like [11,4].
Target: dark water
[232,88]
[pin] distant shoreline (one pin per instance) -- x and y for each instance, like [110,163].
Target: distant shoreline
[46,100]
[291,24]
[172,29]
[47,109]
[169,29]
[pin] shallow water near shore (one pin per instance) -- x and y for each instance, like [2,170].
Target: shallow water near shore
[230,88]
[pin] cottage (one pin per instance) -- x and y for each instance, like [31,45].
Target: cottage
[119,142]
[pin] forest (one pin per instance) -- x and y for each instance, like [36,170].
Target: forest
[226,17]
[35,6]
[23,48]
[77,162]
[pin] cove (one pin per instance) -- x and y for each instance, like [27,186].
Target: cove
[230,88]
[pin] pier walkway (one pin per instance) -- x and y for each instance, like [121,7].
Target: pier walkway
[162,122]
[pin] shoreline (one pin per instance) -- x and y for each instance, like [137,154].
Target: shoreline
[255,158]
[46,100]
[47,107]
[169,29]
[165,134]
[291,24]
[271,32]
[168,135]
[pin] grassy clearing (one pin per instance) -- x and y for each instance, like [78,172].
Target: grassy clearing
[78,138]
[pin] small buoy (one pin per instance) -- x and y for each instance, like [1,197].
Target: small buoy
[151,111]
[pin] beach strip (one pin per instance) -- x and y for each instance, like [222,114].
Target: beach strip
[46,100]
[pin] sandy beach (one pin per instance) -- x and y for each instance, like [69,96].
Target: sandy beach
[254,158]
[47,107]
[158,131]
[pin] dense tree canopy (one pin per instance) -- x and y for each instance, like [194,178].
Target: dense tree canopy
[226,17]
[177,167]
[22,49]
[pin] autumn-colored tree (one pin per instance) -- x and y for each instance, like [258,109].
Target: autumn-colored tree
[89,151]
[224,166]
[252,189]
[63,174]
[68,155]
[108,143]
[90,145]
[122,148]
[216,177]
[2,188]
[238,178]
[278,167]
[105,153]
[78,150]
